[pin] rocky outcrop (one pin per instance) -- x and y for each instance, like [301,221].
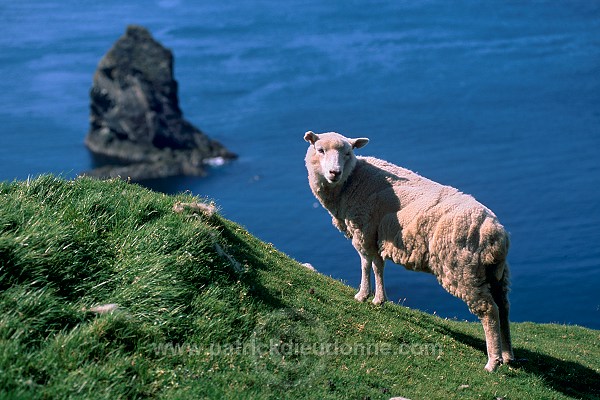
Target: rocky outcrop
[137,129]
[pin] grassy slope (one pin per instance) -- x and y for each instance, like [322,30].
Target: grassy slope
[189,326]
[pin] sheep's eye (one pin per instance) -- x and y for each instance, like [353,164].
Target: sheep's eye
[320,150]
[347,154]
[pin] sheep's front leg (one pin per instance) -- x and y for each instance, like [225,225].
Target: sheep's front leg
[380,296]
[365,280]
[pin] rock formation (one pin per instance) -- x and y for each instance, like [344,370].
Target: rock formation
[137,129]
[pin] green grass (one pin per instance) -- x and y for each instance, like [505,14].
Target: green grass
[190,325]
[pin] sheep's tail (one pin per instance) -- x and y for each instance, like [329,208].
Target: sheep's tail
[497,271]
[494,244]
[499,289]
[498,276]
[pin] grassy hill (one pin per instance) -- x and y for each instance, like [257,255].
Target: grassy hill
[199,308]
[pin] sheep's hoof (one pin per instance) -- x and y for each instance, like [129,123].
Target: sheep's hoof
[492,365]
[379,302]
[362,297]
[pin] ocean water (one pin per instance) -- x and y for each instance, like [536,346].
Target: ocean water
[499,99]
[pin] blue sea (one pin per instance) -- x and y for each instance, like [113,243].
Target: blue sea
[500,99]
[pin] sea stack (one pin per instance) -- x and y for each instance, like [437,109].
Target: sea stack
[137,129]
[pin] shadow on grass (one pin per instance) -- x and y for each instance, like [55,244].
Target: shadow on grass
[249,254]
[567,377]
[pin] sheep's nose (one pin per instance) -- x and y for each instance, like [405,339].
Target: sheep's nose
[335,172]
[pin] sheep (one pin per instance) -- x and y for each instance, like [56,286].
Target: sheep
[392,213]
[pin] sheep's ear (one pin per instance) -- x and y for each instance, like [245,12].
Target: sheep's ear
[359,142]
[311,137]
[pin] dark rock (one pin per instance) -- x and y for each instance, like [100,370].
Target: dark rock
[136,125]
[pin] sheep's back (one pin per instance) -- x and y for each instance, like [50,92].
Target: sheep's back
[450,231]
[417,222]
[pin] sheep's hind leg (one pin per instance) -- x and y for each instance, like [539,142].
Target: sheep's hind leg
[507,351]
[365,280]
[487,311]
[500,293]
[380,295]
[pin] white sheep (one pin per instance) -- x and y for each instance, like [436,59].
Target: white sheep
[392,213]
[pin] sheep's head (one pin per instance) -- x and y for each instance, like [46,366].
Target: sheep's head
[331,155]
